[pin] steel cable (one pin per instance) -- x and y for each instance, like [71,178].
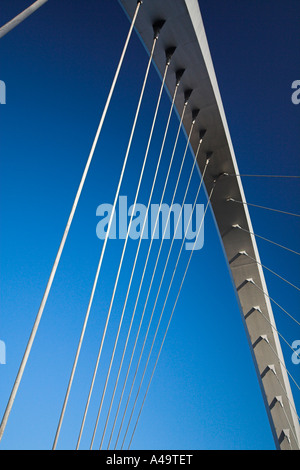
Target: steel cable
[118,273]
[134,265]
[168,325]
[65,235]
[146,263]
[103,249]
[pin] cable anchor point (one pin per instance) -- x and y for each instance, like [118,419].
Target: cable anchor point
[157,26]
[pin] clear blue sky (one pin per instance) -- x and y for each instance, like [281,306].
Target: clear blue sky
[58,68]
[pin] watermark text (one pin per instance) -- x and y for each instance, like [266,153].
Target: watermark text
[161,221]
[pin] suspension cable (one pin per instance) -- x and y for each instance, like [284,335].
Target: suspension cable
[291,427]
[154,270]
[257,309]
[263,176]
[7,27]
[146,262]
[276,303]
[179,291]
[134,264]
[104,246]
[175,231]
[271,271]
[166,265]
[266,239]
[286,395]
[63,241]
[230,199]
[118,273]
[283,365]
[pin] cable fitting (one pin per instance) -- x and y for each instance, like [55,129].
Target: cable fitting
[179,74]
[265,338]
[279,400]
[187,95]
[169,54]
[257,308]
[157,26]
[202,133]
[271,367]
[195,113]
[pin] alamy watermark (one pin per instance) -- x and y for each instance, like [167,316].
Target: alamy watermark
[296,353]
[161,221]
[296,94]
[2,352]
[2,92]
[2,101]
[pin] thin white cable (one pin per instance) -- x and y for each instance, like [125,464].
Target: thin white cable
[21,17]
[266,239]
[276,303]
[165,268]
[183,278]
[230,199]
[119,269]
[283,365]
[264,176]
[157,258]
[291,427]
[102,254]
[280,403]
[146,262]
[271,271]
[63,241]
[275,329]
[173,239]
[134,265]
[286,395]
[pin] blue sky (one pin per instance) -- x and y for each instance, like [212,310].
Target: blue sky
[58,68]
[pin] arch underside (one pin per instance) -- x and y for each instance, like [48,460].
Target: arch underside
[184,29]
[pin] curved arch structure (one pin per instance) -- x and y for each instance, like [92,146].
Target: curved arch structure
[183,28]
